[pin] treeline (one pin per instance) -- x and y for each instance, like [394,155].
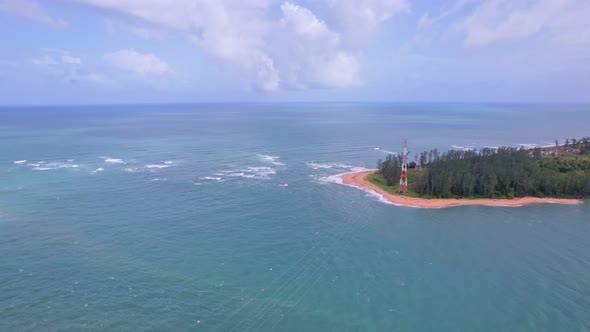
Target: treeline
[390,168]
[495,173]
[583,145]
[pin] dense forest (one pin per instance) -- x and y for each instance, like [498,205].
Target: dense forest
[560,171]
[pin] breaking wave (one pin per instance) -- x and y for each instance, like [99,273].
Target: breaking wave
[100,169]
[464,148]
[385,151]
[42,166]
[113,160]
[165,164]
[270,159]
[529,146]
[319,165]
[209,179]
[252,172]
[262,172]
[337,179]
[152,166]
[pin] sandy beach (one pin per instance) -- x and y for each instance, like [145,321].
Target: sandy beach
[359,180]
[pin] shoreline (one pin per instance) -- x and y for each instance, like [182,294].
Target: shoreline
[359,181]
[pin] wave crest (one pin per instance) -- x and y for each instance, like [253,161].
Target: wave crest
[270,159]
[113,160]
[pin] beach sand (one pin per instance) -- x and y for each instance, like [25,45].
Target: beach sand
[359,180]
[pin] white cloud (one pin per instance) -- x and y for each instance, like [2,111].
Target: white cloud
[71,60]
[358,19]
[309,54]
[138,63]
[31,10]
[503,21]
[427,20]
[297,49]
[66,67]
[45,61]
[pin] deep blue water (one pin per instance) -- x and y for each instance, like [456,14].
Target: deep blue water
[225,217]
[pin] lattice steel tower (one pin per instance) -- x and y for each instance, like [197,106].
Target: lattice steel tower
[403,178]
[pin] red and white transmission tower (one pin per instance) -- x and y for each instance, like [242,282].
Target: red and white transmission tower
[403,178]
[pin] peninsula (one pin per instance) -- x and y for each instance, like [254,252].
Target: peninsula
[503,176]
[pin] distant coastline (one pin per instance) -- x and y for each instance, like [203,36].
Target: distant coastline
[359,180]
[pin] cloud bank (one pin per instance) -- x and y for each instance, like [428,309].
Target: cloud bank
[61,65]
[138,63]
[31,10]
[274,45]
[503,21]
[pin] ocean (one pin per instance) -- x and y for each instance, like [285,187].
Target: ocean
[229,217]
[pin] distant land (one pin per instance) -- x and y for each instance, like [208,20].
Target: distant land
[504,176]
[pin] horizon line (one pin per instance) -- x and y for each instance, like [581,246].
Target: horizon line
[179,103]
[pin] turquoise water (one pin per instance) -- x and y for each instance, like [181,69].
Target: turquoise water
[226,217]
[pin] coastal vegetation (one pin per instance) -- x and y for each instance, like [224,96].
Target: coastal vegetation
[506,172]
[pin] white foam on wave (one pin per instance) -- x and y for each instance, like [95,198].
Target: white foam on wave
[252,172]
[378,196]
[337,179]
[528,146]
[52,166]
[152,166]
[211,178]
[158,179]
[42,168]
[385,151]
[317,165]
[241,174]
[130,169]
[100,169]
[284,185]
[19,161]
[34,164]
[113,160]
[464,148]
[270,159]
[165,164]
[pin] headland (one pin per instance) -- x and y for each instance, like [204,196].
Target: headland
[359,180]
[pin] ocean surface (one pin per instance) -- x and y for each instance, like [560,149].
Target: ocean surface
[228,217]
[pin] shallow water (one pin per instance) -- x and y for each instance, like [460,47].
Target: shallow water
[225,217]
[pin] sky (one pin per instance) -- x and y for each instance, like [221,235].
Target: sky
[183,51]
